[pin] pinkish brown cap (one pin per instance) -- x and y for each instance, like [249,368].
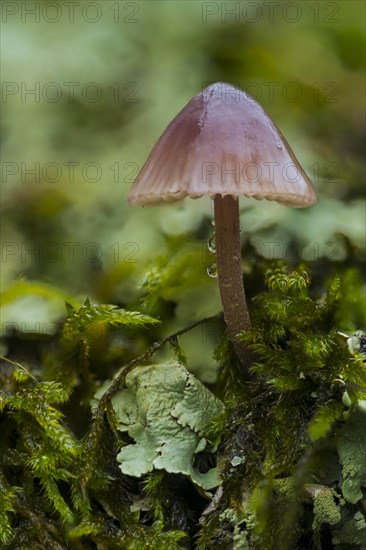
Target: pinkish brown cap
[223,143]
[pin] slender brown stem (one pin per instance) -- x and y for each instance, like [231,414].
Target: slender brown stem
[228,254]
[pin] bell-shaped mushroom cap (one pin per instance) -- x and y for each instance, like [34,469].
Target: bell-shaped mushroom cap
[222,142]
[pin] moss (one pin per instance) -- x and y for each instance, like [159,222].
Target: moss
[289,445]
[285,487]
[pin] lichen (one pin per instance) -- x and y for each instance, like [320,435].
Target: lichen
[352,534]
[352,455]
[325,509]
[165,409]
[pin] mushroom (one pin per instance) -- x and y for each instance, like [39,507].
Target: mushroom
[223,144]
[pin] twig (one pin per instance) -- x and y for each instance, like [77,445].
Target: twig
[138,360]
[2,358]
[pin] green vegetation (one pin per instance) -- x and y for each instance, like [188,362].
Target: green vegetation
[289,449]
[274,463]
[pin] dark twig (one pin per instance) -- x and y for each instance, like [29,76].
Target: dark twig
[113,388]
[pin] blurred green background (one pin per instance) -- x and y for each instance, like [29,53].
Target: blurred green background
[88,87]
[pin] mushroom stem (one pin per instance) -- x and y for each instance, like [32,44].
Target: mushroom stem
[228,259]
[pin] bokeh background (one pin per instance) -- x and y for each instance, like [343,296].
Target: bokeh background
[87,89]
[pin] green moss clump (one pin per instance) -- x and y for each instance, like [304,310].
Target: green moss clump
[159,461]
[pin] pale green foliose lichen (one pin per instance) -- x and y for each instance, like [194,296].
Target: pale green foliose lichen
[352,455]
[356,343]
[352,534]
[165,409]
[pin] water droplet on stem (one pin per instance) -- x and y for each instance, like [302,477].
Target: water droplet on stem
[211,244]
[212,271]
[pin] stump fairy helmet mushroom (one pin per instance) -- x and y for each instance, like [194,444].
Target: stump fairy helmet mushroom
[223,144]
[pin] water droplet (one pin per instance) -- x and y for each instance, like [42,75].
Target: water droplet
[212,271]
[276,136]
[211,244]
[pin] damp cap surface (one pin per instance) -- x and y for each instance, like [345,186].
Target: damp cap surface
[222,143]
